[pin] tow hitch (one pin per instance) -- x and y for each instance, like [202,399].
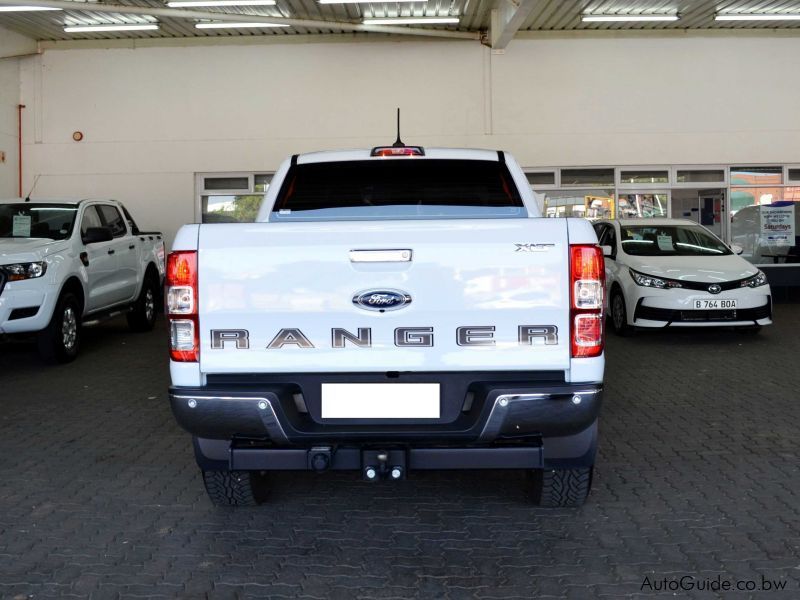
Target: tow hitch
[383,464]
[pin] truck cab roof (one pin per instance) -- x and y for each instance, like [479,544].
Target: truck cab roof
[366,154]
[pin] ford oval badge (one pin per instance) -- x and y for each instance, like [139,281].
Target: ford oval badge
[381,300]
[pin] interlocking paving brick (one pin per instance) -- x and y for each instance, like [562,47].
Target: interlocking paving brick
[698,475]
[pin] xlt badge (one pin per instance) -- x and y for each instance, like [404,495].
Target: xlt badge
[381,300]
[533,247]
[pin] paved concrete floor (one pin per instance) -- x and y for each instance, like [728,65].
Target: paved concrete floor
[697,476]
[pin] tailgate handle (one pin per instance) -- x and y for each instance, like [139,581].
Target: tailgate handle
[373,256]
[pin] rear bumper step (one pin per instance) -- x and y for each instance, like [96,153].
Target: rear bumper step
[498,412]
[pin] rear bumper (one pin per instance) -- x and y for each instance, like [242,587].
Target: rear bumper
[496,412]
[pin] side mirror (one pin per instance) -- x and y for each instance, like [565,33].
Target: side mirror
[608,251]
[737,249]
[95,235]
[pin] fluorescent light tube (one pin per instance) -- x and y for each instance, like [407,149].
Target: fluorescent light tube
[626,18]
[25,8]
[233,25]
[759,17]
[198,3]
[95,28]
[412,21]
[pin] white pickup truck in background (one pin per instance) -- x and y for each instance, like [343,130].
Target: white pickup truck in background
[69,263]
[391,310]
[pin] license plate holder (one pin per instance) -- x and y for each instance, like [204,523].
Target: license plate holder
[381,401]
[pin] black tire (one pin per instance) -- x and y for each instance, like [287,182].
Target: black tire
[235,488]
[618,314]
[562,487]
[60,341]
[143,315]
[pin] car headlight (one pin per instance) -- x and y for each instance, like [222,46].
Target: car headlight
[756,280]
[654,282]
[20,271]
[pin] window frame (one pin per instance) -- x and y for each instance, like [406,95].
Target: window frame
[699,184]
[201,190]
[641,186]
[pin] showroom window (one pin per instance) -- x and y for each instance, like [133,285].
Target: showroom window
[231,198]
[644,177]
[590,203]
[700,176]
[587,177]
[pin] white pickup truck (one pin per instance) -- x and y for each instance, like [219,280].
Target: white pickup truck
[69,263]
[392,309]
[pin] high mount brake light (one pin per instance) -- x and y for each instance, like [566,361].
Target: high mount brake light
[181,294]
[398,151]
[586,295]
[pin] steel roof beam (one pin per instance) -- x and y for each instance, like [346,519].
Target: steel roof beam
[507,17]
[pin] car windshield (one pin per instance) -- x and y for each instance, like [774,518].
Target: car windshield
[398,189]
[31,220]
[670,240]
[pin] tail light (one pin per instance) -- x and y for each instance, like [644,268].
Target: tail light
[587,289]
[181,294]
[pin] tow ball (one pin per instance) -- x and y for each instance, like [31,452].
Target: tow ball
[383,464]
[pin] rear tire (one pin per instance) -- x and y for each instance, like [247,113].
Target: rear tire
[143,316]
[556,488]
[619,314]
[235,488]
[60,341]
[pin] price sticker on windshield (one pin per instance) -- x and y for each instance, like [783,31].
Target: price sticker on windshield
[21,226]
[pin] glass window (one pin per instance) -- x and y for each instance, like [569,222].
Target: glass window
[31,220]
[650,176]
[261,182]
[541,178]
[230,208]
[756,175]
[700,176]
[670,240]
[131,222]
[226,183]
[90,219]
[398,189]
[589,204]
[113,220]
[754,212]
[591,177]
[794,174]
[644,206]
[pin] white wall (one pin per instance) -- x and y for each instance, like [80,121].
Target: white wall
[154,116]
[11,45]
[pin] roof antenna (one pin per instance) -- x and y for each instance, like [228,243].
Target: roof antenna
[33,187]
[398,143]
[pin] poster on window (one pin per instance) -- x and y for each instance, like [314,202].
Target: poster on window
[777,225]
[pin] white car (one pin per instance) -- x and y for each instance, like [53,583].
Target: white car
[676,273]
[68,263]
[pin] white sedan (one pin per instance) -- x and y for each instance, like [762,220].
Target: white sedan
[675,272]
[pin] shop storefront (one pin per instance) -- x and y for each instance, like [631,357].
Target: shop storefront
[753,207]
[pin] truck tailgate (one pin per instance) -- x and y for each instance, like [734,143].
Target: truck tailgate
[266,277]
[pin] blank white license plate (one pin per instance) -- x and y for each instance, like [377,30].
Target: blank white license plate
[715,304]
[380,401]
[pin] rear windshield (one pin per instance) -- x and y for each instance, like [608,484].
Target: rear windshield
[670,240]
[31,220]
[401,188]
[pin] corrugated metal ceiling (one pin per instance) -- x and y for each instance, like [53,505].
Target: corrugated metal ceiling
[547,15]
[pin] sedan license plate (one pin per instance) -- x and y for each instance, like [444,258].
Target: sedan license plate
[380,401]
[715,304]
